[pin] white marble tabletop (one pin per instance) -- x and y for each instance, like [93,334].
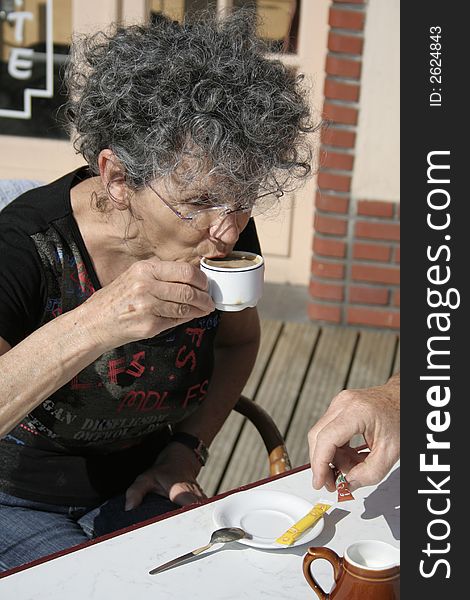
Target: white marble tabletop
[117,568]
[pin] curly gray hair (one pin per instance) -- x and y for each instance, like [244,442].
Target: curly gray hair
[160,92]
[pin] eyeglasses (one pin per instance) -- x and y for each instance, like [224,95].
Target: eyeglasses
[204,218]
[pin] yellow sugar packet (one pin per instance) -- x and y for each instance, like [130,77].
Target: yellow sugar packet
[313,516]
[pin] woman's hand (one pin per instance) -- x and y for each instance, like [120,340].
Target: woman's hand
[173,475]
[374,413]
[148,298]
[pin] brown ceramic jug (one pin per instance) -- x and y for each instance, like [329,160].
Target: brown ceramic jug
[370,570]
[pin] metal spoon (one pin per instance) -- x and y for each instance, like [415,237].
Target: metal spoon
[224,536]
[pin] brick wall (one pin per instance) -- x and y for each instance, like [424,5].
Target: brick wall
[355,274]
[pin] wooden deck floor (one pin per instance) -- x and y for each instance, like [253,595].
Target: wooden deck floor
[300,367]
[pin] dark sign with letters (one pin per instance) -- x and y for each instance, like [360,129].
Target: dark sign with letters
[30,70]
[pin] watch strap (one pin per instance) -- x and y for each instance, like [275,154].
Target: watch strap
[192,442]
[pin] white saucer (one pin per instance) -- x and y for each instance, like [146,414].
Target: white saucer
[265,515]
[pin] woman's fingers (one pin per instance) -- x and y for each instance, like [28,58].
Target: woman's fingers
[142,485]
[177,272]
[186,493]
[161,282]
[150,297]
[183,294]
[183,492]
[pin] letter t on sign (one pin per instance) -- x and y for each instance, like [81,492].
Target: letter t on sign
[20,17]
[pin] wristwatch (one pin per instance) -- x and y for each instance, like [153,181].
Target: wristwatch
[194,443]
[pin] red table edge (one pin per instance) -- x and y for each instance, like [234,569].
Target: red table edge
[167,515]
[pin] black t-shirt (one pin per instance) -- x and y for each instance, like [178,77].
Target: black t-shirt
[93,436]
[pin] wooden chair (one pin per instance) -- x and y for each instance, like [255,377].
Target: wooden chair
[278,457]
[275,446]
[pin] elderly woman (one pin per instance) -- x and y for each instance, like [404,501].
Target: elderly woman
[116,370]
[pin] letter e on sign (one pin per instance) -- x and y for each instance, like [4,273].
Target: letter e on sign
[20,63]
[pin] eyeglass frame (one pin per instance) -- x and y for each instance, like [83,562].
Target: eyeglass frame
[224,209]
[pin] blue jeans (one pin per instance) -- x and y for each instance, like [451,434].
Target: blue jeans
[31,530]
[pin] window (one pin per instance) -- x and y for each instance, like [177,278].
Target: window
[34,44]
[279,22]
[279,18]
[176,9]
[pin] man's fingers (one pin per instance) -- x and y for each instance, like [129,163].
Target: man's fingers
[332,436]
[319,425]
[346,458]
[369,472]
[328,482]
[329,416]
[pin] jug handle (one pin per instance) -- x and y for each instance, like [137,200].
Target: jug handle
[330,556]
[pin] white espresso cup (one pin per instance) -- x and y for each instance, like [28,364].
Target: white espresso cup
[236,281]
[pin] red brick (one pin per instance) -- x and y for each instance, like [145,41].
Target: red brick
[339,113]
[343,67]
[330,225]
[375,274]
[326,291]
[378,231]
[330,203]
[347,44]
[341,91]
[347,19]
[396,298]
[324,312]
[396,255]
[341,138]
[365,295]
[374,208]
[336,160]
[373,317]
[333,248]
[371,252]
[331,181]
[327,269]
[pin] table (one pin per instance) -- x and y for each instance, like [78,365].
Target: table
[117,568]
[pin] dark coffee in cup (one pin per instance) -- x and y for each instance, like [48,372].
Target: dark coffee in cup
[234,261]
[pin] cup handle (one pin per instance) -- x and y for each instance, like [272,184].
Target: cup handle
[330,556]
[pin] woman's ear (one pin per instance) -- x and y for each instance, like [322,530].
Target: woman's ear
[113,178]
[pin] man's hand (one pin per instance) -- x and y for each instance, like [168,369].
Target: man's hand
[374,413]
[173,475]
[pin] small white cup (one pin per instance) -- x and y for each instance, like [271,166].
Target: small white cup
[234,289]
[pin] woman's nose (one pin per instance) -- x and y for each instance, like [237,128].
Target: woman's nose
[226,229]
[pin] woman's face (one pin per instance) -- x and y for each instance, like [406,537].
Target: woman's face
[158,231]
